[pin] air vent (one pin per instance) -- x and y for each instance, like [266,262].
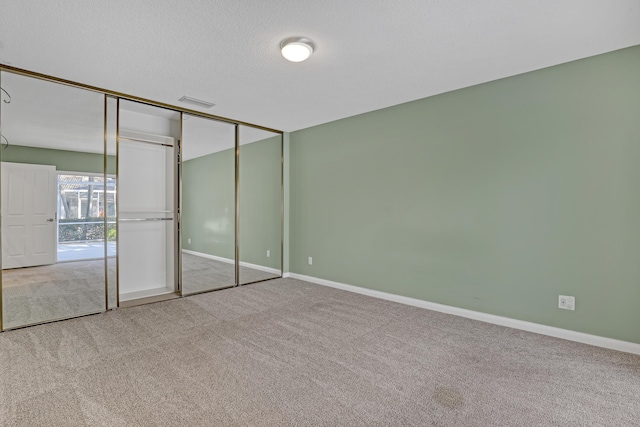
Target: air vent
[197,102]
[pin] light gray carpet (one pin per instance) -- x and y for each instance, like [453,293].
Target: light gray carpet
[285,352]
[40,294]
[43,293]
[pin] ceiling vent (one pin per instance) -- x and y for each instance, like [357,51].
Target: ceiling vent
[198,102]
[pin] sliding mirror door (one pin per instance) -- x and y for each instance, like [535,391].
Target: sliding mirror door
[260,205]
[54,201]
[147,200]
[208,205]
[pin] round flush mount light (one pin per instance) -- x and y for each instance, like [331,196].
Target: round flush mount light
[296,49]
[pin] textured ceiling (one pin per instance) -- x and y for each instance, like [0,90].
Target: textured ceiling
[370,54]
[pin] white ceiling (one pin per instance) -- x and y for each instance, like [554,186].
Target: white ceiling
[370,54]
[48,115]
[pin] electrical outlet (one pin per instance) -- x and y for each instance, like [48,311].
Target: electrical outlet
[567,302]
[268,253]
[310,261]
[189,241]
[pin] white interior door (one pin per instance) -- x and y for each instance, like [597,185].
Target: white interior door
[28,215]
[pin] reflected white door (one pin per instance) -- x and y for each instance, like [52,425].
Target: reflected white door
[28,215]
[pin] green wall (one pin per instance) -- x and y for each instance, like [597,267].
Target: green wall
[495,198]
[261,202]
[209,203]
[72,161]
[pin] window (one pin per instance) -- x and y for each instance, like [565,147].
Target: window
[82,205]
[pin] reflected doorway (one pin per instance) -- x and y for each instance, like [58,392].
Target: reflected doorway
[83,203]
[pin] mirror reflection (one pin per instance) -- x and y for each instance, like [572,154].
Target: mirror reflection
[55,202]
[260,205]
[107,201]
[208,204]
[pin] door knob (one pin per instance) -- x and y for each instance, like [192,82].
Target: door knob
[50,220]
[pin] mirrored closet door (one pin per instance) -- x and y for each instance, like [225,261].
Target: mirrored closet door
[208,204]
[260,205]
[107,202]
[55,197]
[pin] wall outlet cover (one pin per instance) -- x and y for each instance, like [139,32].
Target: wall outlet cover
[567,302]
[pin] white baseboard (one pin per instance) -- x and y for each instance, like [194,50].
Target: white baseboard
[146,293]
[552,331]
[213,257]
[230,261]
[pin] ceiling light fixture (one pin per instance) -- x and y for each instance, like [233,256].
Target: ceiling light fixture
[296,49]
[198,102]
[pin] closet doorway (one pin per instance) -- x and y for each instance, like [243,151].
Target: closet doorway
[147,159]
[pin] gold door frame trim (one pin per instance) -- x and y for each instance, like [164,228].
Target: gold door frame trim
[237,213]
[106,243]
[178,208]
[281,205]
[117,202]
